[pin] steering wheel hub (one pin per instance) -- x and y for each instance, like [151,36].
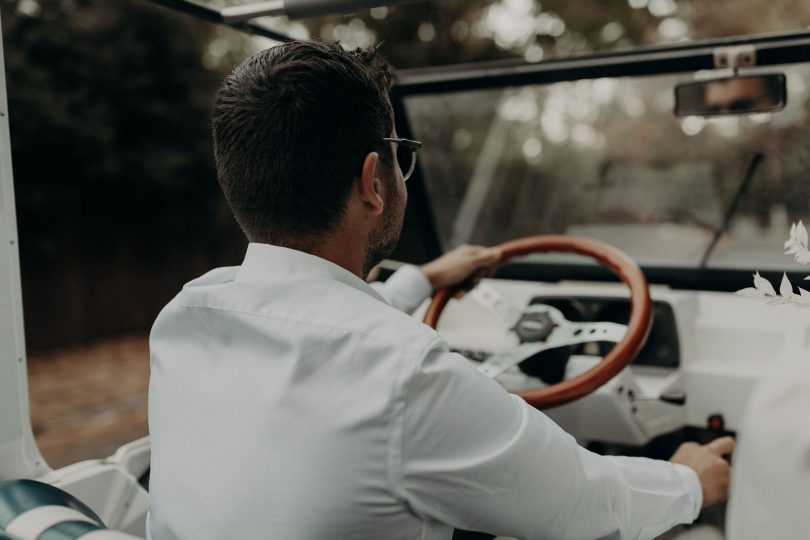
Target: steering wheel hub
[534,327]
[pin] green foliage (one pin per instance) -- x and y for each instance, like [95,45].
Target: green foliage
[117,199]
[108,105]
[458,30]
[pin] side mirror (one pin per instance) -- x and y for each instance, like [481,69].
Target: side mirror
[732,95]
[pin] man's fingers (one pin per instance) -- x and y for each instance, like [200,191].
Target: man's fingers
[490,256]
[461,266]
[493,251]
[491,271]
[721,446]
[486,263]
[484,258]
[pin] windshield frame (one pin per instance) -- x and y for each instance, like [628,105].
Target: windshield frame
[211,14]
[420,239]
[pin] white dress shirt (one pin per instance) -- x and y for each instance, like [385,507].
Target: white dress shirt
[770,489]
[289,400]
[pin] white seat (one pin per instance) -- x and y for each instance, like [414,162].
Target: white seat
[31,510]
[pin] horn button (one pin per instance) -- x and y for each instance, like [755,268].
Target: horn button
[534,326]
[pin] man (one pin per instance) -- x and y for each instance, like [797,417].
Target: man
[743,94]
[290,400]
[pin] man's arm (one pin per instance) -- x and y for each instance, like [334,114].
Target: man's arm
[475,457]
[408,287]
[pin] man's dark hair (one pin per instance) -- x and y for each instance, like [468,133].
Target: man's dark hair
[292,126]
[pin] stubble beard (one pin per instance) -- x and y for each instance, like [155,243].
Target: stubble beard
[383,239]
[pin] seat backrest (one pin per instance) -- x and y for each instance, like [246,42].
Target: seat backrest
[31,510]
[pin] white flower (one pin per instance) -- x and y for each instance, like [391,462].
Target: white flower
[795,245]
[786,288]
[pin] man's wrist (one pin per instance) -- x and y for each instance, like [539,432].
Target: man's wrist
[430,275]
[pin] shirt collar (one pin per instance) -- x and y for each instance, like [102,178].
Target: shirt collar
[265,262]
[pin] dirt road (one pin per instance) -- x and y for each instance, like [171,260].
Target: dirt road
[87,401]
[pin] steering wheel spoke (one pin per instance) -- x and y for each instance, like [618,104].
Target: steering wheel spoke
[576,333]
[509,357]
[564,334]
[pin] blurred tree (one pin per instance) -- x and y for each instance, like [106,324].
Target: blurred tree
[458,31]
[721,18]
[111,97]
[116,193]
[437,33]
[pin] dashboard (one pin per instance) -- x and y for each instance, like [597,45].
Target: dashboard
[705,352]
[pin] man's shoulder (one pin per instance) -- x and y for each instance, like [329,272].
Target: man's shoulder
[321,304]
[344,306]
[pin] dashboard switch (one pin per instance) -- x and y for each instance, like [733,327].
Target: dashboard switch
[716,422]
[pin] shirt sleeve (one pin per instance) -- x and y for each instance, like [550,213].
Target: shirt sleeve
[478,458]
[406,289]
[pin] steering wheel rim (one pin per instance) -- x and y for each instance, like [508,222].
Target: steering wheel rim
[638,327]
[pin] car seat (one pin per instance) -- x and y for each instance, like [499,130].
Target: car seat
[31,510]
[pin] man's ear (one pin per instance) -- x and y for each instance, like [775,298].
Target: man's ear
[369,185]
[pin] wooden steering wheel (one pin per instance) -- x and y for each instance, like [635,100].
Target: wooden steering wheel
[543,327]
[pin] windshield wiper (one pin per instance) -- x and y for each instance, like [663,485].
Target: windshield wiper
[732,207]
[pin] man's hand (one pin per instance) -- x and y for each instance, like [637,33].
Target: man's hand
[713,471]
[460,264]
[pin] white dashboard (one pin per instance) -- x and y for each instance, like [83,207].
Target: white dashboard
[725,343]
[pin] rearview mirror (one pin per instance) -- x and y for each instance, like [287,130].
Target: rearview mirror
[731,95]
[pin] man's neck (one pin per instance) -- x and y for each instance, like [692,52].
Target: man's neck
[336,247]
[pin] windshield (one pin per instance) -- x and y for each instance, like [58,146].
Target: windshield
[608,159]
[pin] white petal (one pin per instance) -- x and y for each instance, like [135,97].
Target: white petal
[750,292]
[803,257]
[785,288]
[801,234]
[764,285]
[805,295]
[793,249]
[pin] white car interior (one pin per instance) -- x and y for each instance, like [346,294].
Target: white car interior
[698,362]
[698,218]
